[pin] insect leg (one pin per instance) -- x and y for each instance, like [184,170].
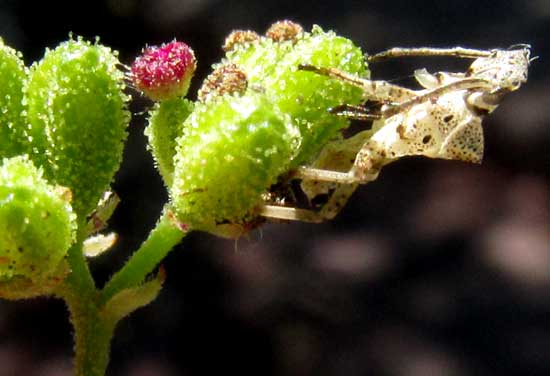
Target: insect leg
[329,210]
[337,177]
[462,84]
[290,214]
[354,112]
[337,201]
[378,91]
[461,52]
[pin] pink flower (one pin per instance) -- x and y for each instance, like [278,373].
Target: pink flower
[164,72]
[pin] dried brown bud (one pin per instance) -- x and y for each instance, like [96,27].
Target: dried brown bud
[226,79]
[284,30]
[239,37]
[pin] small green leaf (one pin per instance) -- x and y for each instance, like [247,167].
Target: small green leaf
[130,299]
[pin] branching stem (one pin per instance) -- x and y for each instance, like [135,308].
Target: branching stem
[93,328]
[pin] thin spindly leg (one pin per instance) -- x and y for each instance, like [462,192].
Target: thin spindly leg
[378,91]
[467,53]
[290,214]
[329,210]
[462,84]
[365,168]
[362,171]
[347,183]
[354,112]
[337,201]
[310,173]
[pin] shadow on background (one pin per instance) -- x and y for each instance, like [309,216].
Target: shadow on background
[437,268]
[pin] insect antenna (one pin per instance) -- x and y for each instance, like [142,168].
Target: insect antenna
[519,46]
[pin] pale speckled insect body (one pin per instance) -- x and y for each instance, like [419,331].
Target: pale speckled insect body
[443,120]
[443,128]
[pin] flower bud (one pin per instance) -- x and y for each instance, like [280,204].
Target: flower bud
[164,72]
[284,30]
[225,79]
[239,38]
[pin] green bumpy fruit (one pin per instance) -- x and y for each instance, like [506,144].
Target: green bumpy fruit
[232,149]
[258,116]
[12,120]
[37,227]
[165,125]
[305,96]
[78,117]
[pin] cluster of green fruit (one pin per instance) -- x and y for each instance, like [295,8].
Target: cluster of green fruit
[63,124]
[257,116]
[62,129]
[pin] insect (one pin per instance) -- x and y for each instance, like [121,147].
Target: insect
[443,120]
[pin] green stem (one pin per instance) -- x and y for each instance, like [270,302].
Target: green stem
[80,277]
[93,328]
[93,334]
[160,241]
[93,346]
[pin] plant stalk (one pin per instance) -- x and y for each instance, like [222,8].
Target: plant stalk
[93,328]
[161,240]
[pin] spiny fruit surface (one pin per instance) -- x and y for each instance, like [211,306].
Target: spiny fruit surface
[37,228]
[165,126]
[231,150]
[12,119]
[272,66]
[78,117]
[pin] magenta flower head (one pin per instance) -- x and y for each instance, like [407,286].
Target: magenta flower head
[164,72]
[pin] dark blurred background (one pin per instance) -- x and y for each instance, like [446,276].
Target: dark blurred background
[437,268]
